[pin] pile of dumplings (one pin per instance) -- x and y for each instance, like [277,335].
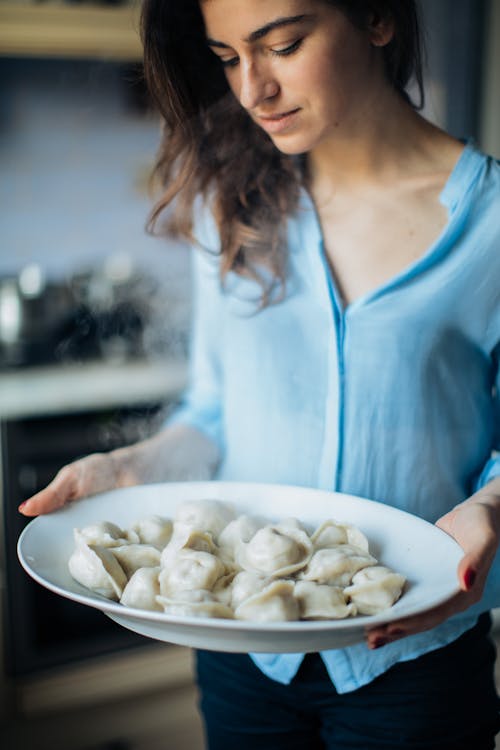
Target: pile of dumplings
[209,562]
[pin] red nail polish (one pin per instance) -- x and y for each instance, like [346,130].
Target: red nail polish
[469,578]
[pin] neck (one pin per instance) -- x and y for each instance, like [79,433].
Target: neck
[378,144]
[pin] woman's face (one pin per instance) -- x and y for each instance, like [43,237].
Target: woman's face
[302,71]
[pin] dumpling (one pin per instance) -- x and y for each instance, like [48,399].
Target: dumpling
[290,523]
[375,589]
[210,562]
[318,601]
[205,515]
[97,569]
[153,530]
[275,551]
[223,588]
[336,566]
[194,604]
[239,530]
[103,534]
[142,589]
[274,603]
[189,570]
[245,585]
[331,533]
[134,556]
[185,537]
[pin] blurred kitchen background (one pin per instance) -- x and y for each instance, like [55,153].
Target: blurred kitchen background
[94,319]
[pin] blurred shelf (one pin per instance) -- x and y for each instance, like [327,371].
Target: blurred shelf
[65,389]
[57,29]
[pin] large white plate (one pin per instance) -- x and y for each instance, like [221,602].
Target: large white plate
[417,549]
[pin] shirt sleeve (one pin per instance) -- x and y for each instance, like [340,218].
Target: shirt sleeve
[201,404]
[491,469]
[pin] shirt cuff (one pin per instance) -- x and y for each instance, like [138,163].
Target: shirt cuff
[490,471]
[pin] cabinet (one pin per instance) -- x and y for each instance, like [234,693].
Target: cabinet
[138,700]
[58,29]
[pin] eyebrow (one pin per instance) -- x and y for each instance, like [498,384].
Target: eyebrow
[266,29]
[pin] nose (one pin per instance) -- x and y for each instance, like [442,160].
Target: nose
[256,85]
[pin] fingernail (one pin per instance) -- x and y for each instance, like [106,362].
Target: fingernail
[469,578]
[20,507]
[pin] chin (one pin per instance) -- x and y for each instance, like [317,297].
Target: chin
[293,145]
[302,140]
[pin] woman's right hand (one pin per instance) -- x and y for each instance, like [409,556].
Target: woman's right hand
[176,453]
[87,476]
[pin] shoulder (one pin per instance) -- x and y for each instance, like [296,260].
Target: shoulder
[205,229]
[476,192]
[492,185]
[487,169]
[487,200]
[491,167]
[206,248]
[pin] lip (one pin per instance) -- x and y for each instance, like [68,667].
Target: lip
[278,122]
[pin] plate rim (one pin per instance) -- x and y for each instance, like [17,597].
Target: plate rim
[297,626]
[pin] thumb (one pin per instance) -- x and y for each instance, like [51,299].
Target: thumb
[54,496]
[473,529]
[475,565]
[468,571]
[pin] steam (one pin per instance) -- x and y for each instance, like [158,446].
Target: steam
[123,315]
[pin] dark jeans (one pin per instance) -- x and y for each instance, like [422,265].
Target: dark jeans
[444,700]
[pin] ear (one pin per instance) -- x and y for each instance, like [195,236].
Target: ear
[380,30]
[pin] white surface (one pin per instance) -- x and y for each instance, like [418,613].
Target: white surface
[66,389]
[420,551]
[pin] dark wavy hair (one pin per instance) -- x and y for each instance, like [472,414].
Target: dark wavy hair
[212,148]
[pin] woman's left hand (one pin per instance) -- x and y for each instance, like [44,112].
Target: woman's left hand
[475,525]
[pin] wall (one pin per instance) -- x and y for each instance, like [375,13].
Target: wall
[490,133]
[77,147]
[76,151]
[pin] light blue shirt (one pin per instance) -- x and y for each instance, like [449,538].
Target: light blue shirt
[394,397]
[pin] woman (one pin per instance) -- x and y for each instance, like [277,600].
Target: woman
[346,336]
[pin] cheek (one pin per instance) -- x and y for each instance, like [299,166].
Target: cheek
[331,86]
[302,84]
[334,70]
[317,77]
[320,91]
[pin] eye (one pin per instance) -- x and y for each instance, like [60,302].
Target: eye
[226,62]
[288,50]
[229,63]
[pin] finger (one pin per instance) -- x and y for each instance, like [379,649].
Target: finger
[86,476]
[474,567]
[382,635]
[54,496]
[467,572]
[474,528]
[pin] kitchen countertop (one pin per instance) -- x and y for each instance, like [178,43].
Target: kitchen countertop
[62,389]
